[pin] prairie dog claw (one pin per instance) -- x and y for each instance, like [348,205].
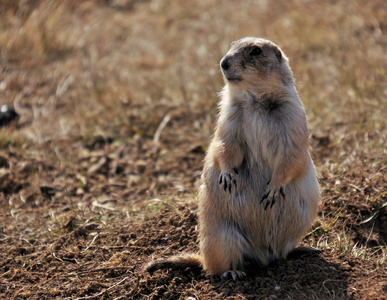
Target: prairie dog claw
[228,179]
[272,194]
[235,274]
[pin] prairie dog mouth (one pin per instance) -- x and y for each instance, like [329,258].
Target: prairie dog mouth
[233,79]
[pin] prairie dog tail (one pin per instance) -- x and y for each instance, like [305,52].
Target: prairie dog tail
[175,262]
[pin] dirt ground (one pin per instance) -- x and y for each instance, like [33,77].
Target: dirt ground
[117,102]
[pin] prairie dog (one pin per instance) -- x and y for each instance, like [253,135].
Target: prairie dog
[259,192]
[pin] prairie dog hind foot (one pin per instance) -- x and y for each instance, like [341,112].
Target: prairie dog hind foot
[234,274]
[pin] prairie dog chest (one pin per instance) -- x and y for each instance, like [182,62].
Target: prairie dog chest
[260,123]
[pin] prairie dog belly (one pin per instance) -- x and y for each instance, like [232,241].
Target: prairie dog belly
[269,234]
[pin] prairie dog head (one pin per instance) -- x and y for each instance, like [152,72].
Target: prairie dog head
[256,63]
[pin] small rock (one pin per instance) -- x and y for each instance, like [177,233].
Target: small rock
[7,115]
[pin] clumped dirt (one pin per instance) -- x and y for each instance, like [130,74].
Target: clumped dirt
[117,103]
[107,262]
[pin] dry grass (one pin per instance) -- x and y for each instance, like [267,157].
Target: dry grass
[95,80]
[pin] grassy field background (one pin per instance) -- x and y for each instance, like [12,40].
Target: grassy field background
[117,102]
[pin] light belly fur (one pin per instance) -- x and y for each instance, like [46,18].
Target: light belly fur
[264,235]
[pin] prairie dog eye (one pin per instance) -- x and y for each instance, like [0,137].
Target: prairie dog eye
[256,51]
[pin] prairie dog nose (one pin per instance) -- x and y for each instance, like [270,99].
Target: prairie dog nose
[225,63]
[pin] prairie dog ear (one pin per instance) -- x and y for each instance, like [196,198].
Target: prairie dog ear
[278,54]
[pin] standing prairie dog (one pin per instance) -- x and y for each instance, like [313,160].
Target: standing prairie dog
[259,191]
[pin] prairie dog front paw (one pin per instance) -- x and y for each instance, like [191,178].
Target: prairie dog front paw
[228,179]
[272,194]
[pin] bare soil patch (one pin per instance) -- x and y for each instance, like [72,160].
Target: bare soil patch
[106,261]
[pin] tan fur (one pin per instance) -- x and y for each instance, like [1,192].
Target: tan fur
[258,154]
[179,261]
